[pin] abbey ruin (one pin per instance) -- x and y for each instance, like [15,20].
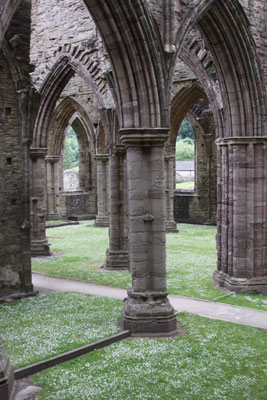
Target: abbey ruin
[124,74]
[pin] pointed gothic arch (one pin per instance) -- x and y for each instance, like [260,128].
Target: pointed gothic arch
[237,64]
[135,50]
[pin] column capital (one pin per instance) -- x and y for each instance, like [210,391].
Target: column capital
[118,149]
[52,159]
[38,153]
[241,140]
[144,136]
[102,157]
[169,157]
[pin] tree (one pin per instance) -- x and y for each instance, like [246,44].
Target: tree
[71,149]
[186,130]
[185,150]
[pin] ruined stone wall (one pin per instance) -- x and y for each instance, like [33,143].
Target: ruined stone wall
[54,24]
[200,206]
[11,171]
[15,134]
[66,27]
[81,91]
[77,205]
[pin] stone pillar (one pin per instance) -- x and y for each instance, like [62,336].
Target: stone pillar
[170,171]
[102,165]
[39,243]
[7,380]
[147,311]
[242,221]
[117,254]
[53,176]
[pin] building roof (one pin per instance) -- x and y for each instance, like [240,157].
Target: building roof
[185,166]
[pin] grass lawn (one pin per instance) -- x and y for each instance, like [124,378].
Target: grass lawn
[37,328]
[53,222]
[186,185]
[214,360]
[191,261]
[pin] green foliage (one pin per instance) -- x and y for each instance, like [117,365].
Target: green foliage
[71,149]
[186,130]
[185,150]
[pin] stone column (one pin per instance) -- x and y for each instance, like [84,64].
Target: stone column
[102,165]
[39,243]
[52,174]
[7,380]
[117,254]
[242,221]
[170,171]
[147,311]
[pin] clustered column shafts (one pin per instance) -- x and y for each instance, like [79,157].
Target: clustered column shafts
[147,310]
[117,254]
[102,165]
[53,174]
[170,187]
[242,219]
[39,243]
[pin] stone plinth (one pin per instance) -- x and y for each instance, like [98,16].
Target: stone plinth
[149,314]
[7,380]
[147,311]
[117,259]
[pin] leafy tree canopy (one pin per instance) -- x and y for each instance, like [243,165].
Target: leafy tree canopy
[185,148]
[71,149]
[186,130]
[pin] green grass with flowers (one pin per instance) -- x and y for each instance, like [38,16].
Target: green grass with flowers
[213,360]
[191,260]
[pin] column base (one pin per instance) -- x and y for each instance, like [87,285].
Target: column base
[171,226]
[102,221]
[18,296]
[52,217]
[7,379]
[149,314]
[240,285]
[117,260]
[81,217]
[40,248]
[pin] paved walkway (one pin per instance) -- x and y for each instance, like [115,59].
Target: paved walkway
[205,308]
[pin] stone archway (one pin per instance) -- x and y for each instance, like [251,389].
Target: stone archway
[142,95]
[241,140]
[60,204]
[199,205]
[60,74]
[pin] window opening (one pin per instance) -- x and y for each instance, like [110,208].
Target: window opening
[71,161]
[185,157]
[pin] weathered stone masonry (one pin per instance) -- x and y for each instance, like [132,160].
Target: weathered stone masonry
[143,61]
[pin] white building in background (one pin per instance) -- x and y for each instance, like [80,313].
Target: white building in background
[185,171]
